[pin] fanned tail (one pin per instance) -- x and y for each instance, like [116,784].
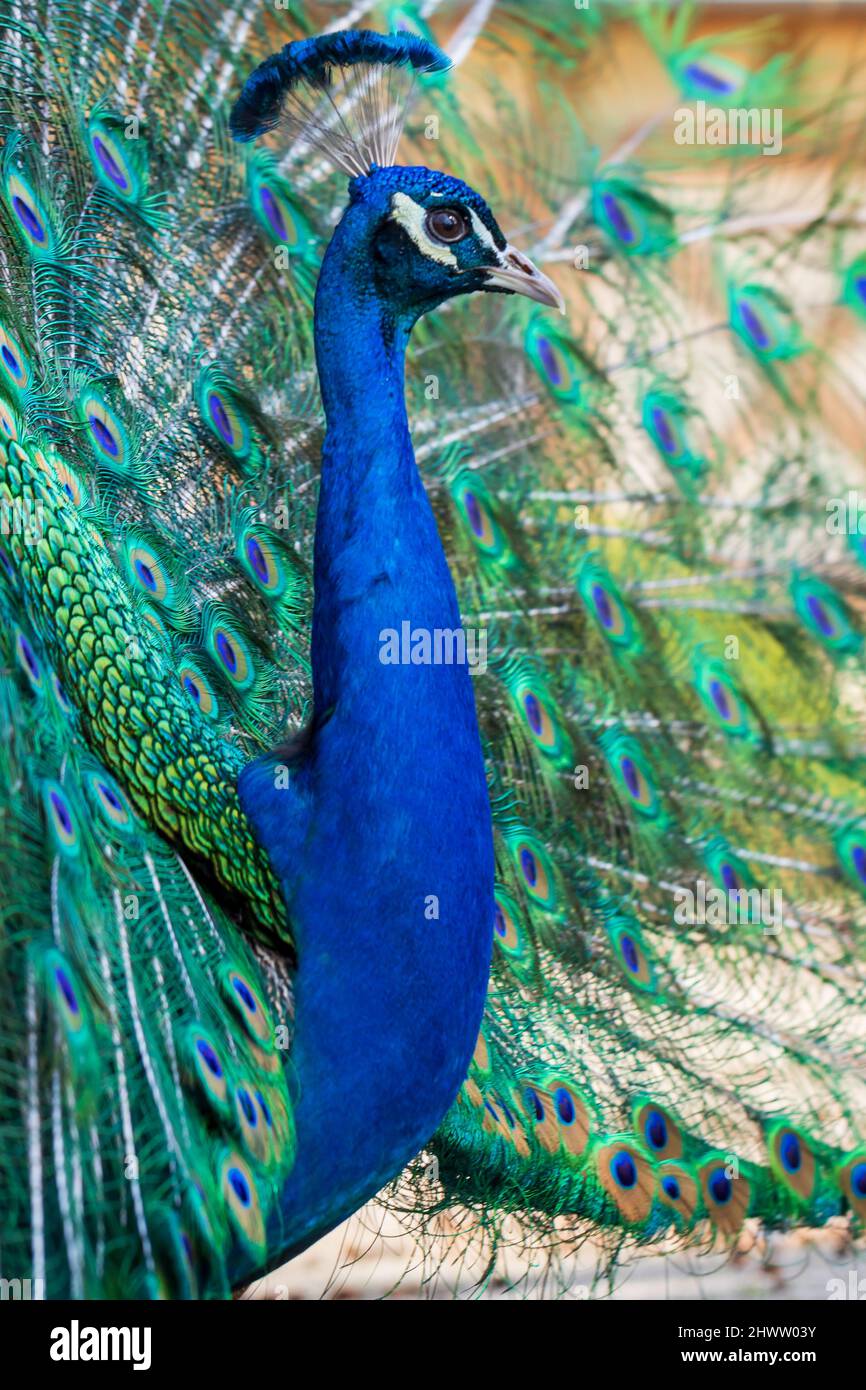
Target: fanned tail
[648,514]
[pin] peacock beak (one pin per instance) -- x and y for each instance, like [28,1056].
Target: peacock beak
[517,273]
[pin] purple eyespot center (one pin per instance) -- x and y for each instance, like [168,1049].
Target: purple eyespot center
[564,1106]
[706,78]
[28,219]
[548,361]
[630,775]
[146,575]
[209,1057]
[617,217]
[473,512]
[529,866]
[60,810]
[220,418]
[245,994]
[664,429]
[720,1186]
[11,361]
[256,557]
[228,655]
[629,952]
[65,987]
[602,605]
[753,325]
[622,1165]
[240,1186]
[109,164]
[273,213]
[533,712]
[820,615]
[103,436]
[719,697]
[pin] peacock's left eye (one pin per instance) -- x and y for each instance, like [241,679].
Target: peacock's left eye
[446,224]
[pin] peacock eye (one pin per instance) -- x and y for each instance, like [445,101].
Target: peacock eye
[446,224]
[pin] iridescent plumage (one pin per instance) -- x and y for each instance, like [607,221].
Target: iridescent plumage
[634,505]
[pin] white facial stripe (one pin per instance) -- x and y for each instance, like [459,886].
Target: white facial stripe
[411,218]
[484,236]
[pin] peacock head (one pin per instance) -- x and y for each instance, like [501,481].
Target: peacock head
[427,237]
[412,236]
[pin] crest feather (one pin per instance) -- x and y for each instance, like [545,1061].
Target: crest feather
[343,94]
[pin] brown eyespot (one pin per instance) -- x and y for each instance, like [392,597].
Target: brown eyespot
[446,224]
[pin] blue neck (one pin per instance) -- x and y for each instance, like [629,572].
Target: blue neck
[385,850]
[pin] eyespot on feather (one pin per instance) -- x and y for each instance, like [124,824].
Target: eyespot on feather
[259,557]
[15,364]
[109,801]
[509,934]
[556,360]
[28,661]
[104,431]
[66,996]
[30,217]
[198,689]
[534,868]
[849,843]
[721,698]
[61,819]
[678,1189]
[206,1069]
[627,1177]
[248,1005]
[851,1177]
[148,572]
[252,1124]
[120,164]
[632,954]
[231,654]
[726,1196]
[243,1201]
[632,774]
[606,606]
[792,1160]
[657,1130]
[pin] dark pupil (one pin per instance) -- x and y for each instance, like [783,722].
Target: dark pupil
[446,225]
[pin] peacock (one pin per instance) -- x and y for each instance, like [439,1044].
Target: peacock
[432,671]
